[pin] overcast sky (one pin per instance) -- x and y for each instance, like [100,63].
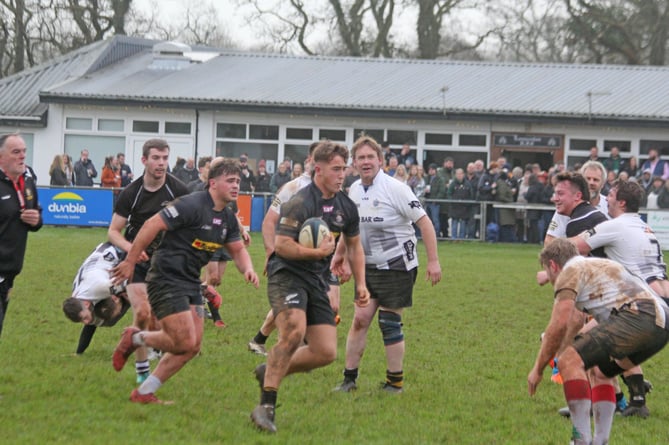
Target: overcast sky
[232,18]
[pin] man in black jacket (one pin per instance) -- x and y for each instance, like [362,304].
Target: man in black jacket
[84,170]
[19,212]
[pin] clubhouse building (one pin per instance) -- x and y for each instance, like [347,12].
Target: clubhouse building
[113,95]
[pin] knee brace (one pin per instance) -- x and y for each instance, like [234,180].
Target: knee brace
[391,327]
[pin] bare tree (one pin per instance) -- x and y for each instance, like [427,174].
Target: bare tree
[622,31]
[533,31]
[35,30]
[198,24]
[14,38]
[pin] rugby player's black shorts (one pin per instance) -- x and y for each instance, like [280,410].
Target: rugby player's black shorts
[626,334]
[141,269]
[331,279]
[167,299]
[286,290]
[221,255]
[392,288]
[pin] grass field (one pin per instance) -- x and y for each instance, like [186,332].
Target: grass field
[470,343]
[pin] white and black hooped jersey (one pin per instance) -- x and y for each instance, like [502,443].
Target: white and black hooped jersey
[387,208]
[558,225]
[631,242]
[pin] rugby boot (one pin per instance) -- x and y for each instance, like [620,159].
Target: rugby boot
[124,348]
[263,418]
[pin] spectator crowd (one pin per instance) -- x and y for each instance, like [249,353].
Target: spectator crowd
[452,195]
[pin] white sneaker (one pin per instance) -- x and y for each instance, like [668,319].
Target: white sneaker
[257,348]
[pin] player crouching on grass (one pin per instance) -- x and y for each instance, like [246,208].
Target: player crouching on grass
[195,226]
[95,301]
[631,327]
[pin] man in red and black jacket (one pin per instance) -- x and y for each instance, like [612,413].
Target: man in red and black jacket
[19,212]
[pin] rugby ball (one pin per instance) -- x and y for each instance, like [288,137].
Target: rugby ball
[312,232]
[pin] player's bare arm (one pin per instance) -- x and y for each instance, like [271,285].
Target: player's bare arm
[268,234]
[433,270]
[151,228]
[580,243]
[356,257]
[115,235]
[290,249]
[553,335]
[242,260]
[339,264]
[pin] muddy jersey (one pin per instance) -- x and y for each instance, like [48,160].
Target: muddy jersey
[340,214]
[288,191]
[195,232]
[387,208]
[137,204]
[92,282]
[632,243]
[600,285]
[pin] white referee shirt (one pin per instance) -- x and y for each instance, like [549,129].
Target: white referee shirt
[558,225]
[93,282]
[631,242]
[387,208]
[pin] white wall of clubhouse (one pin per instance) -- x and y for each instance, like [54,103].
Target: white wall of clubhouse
[110,129]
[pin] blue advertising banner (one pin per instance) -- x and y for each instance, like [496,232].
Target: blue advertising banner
[76,207]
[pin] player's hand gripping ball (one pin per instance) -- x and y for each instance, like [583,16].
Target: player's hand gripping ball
[312,232]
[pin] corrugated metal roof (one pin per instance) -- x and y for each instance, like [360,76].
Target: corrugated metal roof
[19,93]
[395,85]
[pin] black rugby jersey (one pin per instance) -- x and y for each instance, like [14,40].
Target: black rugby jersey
[137,204]
[339,212]
[195,232]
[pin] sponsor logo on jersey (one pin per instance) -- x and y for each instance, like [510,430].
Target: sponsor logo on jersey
[328,209]
[410,249]
[172,211]
[207,246]
[415,204]
[217,221]
[370,219]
